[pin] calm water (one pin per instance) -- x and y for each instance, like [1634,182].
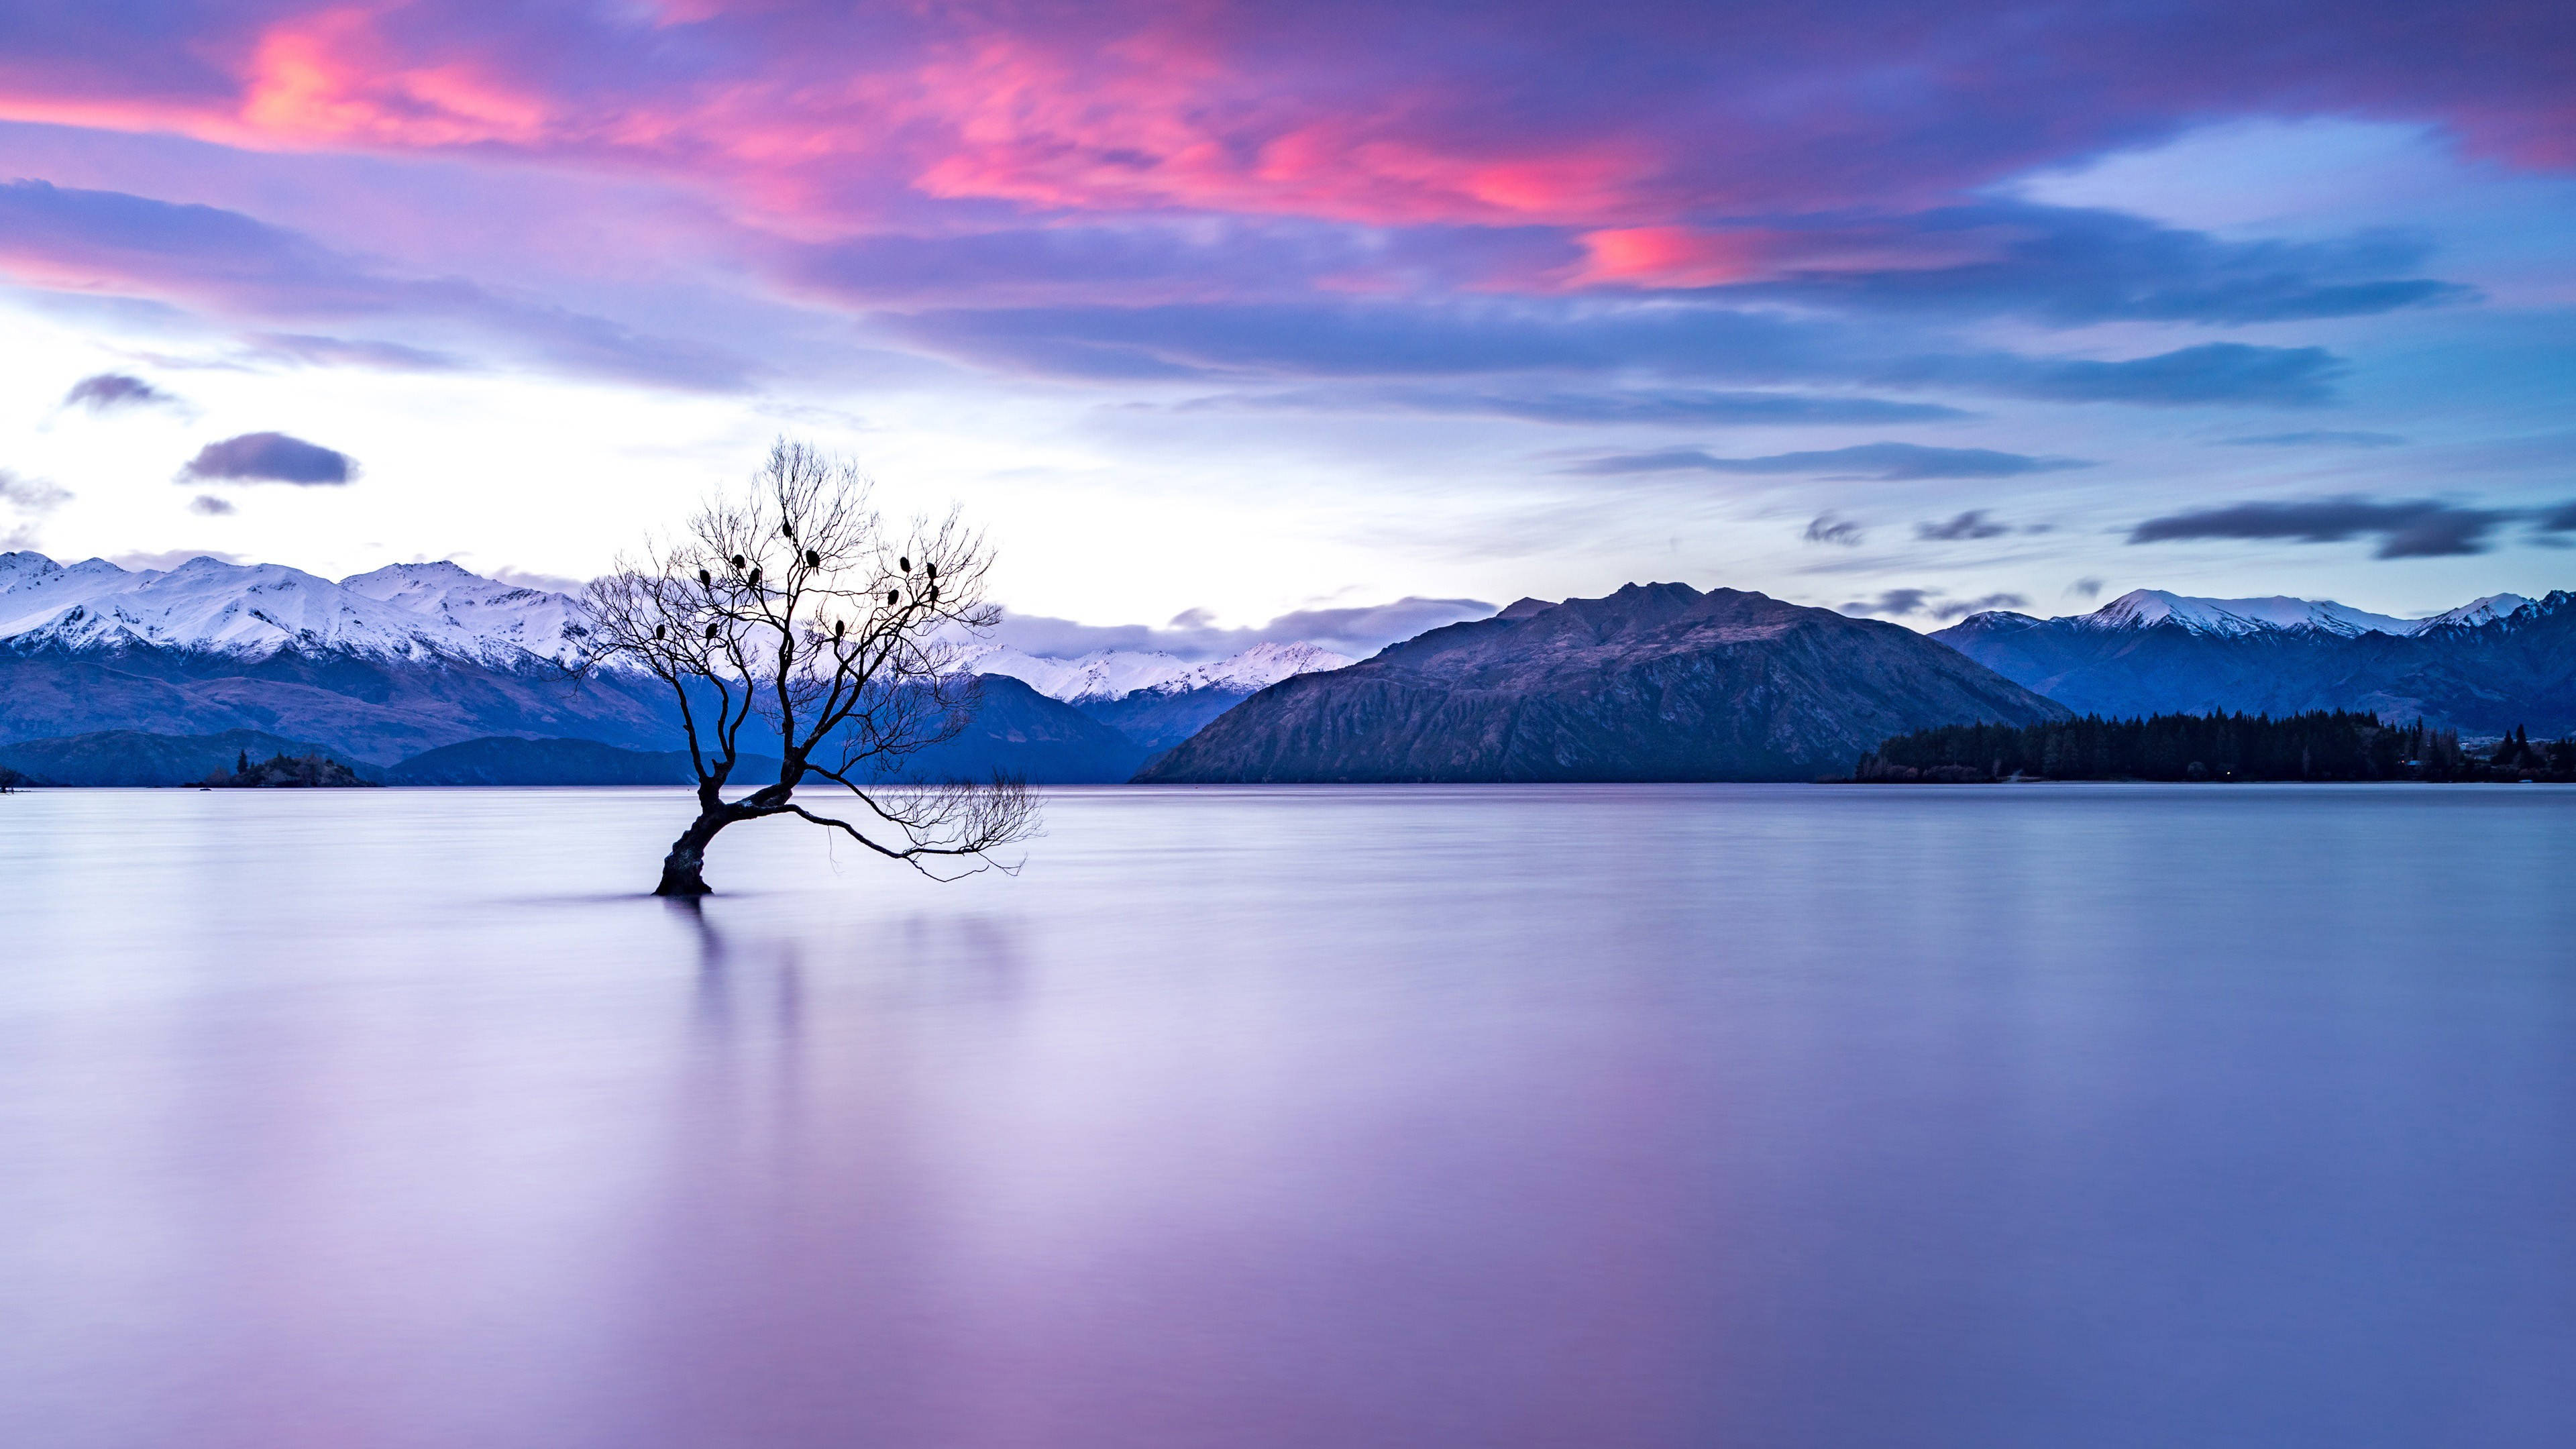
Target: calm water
[2062,1117]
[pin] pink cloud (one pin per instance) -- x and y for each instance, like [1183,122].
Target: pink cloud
[1668,139]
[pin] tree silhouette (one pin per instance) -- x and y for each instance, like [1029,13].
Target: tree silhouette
[789,615]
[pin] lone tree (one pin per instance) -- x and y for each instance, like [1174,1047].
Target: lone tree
[790,617]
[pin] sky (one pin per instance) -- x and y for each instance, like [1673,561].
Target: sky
[1241,321]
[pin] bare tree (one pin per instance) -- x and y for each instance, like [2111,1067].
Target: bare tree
[791,617]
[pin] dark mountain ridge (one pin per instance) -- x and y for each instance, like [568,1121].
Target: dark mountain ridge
[1654,682]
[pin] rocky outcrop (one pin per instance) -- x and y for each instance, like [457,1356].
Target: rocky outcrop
[1655,682]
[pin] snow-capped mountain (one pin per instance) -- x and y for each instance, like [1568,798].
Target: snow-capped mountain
[502,615]
[2476,612]
[1116,674]
[2488,666]
[406,611]
[2146,608]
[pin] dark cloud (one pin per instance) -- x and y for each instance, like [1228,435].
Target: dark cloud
[269,458]
[1971,524]
[109,391]
[1885,462]
[2408,528]
[1358,632]
[1702,408]
[2561,519]
[1826,528]
[1901,603]
[2085,588]
[1896,603]
[2318,438]
[210,506]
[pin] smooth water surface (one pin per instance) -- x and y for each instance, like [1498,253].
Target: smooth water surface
[2067,1117]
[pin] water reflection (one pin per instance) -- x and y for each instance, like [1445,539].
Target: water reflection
[1640,1117]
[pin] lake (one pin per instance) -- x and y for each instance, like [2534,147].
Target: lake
[1760,1116]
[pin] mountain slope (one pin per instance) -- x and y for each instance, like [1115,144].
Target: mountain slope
[1018,731]
[369,707]
[1655,682]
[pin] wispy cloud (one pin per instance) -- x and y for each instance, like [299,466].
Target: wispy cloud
[1885,462]
[237,267]
[2318,438]
[1703,408]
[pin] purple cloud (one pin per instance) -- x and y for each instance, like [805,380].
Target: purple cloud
[110,391]
[270,458]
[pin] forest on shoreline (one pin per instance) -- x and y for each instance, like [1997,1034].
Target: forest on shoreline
[2318,745]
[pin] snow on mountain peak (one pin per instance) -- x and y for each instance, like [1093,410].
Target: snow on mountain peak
[2146,608]
[20,569]
[2476,611]
[253,610]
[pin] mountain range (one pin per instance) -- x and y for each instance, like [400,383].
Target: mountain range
[411,660]
[1654,682]
[2486,668]
[422,672]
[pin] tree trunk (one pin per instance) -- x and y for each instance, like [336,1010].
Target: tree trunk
[684,869]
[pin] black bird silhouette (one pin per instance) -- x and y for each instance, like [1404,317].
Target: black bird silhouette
[837,626]
[813,559]
[892,598]
[711,631]
[705,579]
[934,593]
[661,631]
[737,562]
[754,578]
[931,568]
[903,563]
[788,529]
